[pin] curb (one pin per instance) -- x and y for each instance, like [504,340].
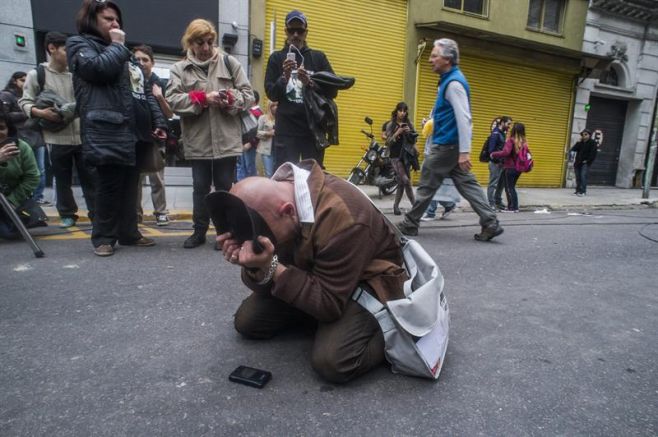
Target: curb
[53,216]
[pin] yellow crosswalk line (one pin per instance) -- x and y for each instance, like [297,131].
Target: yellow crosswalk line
[75,233]
[72,233]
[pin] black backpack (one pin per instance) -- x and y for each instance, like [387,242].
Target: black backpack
[484,153]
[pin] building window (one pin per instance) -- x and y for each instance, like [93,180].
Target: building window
[610,77]
[476,7]
[546,15]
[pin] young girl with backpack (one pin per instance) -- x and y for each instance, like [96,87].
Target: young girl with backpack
[515,154]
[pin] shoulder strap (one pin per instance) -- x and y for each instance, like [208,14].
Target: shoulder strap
[227,62]
[395,229]
[41,76]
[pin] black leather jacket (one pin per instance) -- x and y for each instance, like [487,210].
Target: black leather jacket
[585,152]
[291,119]
[106,98]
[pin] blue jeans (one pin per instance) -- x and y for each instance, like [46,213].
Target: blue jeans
[434,204]
[511,177]
[581,177]
[496,184]
[247,164]
[268,165]
[40,155]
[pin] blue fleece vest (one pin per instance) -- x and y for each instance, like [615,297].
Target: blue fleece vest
[445,124]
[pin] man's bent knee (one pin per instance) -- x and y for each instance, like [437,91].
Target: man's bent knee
[330,367]
[248,325]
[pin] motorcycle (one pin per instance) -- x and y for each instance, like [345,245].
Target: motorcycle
[374,167]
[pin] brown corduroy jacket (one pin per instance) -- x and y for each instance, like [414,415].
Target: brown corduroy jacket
[350,243]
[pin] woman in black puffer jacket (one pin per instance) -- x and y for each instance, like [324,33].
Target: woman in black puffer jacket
[118,115]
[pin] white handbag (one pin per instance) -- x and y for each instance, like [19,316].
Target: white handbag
[415,327]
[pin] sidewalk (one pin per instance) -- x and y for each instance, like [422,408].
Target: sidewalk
[179,200]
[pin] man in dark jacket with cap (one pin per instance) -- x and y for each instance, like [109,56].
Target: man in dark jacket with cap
[585,150]
[284,80]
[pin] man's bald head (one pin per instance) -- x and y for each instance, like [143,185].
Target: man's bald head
[273,200]
[260,193]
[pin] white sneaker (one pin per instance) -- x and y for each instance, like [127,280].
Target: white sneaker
[427,218]
[162,220]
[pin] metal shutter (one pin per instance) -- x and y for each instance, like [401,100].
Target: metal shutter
[540,98]
[361,39]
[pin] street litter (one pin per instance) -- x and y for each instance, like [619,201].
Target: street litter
[542,211]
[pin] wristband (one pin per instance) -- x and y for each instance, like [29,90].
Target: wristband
[198,98]
[270,273]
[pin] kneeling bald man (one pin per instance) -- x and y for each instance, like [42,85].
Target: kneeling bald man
[319,239]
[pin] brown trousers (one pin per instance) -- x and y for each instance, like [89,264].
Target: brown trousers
[343,349]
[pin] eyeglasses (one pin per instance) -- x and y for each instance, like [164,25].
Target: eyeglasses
[297,30]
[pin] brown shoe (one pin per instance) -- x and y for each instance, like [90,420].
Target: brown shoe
[144,242]
[104,250]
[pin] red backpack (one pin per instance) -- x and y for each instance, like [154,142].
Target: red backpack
[523,160]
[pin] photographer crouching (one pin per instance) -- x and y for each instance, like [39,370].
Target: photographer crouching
[19,177]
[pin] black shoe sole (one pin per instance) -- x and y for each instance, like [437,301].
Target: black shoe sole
[479,237]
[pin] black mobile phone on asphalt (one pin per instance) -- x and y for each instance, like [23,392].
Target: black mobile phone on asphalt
[250,376]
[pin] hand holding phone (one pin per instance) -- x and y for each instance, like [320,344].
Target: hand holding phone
[9,150]
[289,64]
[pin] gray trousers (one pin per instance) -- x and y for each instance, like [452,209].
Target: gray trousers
[158,197]
[495,187]
[443,162]
[343,349]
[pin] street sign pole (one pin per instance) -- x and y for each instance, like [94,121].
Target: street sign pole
[651,162]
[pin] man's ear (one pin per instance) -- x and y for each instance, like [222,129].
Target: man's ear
[287,208]
[50,48]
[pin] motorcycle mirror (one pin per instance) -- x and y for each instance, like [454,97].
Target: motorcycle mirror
[368,120]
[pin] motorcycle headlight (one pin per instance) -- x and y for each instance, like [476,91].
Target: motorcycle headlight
[371,155]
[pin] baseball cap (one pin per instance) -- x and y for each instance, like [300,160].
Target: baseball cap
[296,15]
[230,214]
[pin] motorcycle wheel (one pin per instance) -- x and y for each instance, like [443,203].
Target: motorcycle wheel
[390,188]
[356,176]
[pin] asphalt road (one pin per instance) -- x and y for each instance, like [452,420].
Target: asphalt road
[553,333]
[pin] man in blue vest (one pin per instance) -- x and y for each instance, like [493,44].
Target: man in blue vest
[451,145]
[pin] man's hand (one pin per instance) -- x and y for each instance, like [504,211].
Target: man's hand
[465,161]
[8,152]
[243,255]
[118,35]
[156,91]
[160,133]
[47,114]
[303,76]
[288,66]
